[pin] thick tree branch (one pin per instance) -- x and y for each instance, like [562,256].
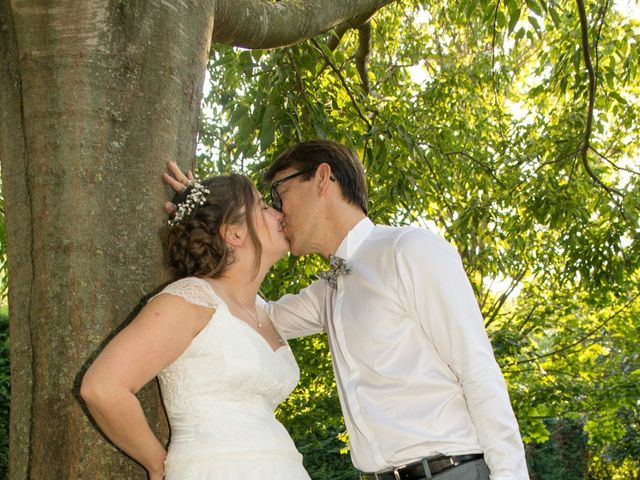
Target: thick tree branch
[363,24]
[584,150]
[283,23]
[341,29]
[336,36]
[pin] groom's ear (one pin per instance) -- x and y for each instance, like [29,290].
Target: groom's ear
[323,176]
[234,235]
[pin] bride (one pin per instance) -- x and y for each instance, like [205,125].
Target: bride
[223,367]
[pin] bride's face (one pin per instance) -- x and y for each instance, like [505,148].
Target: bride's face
[268,224]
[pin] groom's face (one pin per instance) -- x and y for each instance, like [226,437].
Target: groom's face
[298,204]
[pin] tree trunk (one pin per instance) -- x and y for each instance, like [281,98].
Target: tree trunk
[96,96]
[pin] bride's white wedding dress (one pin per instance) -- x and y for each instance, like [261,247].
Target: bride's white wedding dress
[220,396]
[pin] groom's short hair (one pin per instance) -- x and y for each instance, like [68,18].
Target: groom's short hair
[344,162]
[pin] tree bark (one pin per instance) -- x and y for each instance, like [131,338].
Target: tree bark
[95,97]
[12,155]
[268,24]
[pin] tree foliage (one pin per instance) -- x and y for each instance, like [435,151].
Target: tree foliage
[479,120]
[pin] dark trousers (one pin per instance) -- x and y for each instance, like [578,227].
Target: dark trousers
[475,470]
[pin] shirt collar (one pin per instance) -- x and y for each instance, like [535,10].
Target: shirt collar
[354,238]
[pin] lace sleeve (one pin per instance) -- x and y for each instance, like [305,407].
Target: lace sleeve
[193,290]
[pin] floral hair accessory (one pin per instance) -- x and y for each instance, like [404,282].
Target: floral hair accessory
[196,197]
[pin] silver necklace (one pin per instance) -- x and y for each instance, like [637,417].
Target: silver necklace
[256,318]
[252,315]
[230,294]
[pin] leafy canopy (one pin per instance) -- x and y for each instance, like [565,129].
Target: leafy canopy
[475,125]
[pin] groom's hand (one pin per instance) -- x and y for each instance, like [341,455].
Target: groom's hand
[177,180]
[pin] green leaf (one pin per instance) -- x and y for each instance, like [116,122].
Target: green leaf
[535,7]
[239,112]
[535,24]
[501,19]
[514,16]
[245,126]
[489,12]
[618,97]
[555,17]
[267,128]
[470,7]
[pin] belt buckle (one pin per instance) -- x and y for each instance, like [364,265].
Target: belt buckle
[396,472]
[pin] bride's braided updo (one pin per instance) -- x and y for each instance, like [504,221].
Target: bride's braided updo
[195,244]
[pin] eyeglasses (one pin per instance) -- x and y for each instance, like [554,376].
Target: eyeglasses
[276,201]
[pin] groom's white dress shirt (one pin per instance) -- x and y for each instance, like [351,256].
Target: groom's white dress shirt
[414,367]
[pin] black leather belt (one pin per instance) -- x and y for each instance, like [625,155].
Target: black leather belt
[417,471]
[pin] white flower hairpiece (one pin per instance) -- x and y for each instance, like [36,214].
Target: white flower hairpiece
[196,197]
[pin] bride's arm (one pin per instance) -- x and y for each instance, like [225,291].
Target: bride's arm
[154,339]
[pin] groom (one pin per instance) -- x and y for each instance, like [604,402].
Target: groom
[420,390]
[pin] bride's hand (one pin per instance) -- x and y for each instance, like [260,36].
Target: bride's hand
[177,180]
[156,474]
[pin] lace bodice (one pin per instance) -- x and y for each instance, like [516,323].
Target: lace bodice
[221,392]
[193,290]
